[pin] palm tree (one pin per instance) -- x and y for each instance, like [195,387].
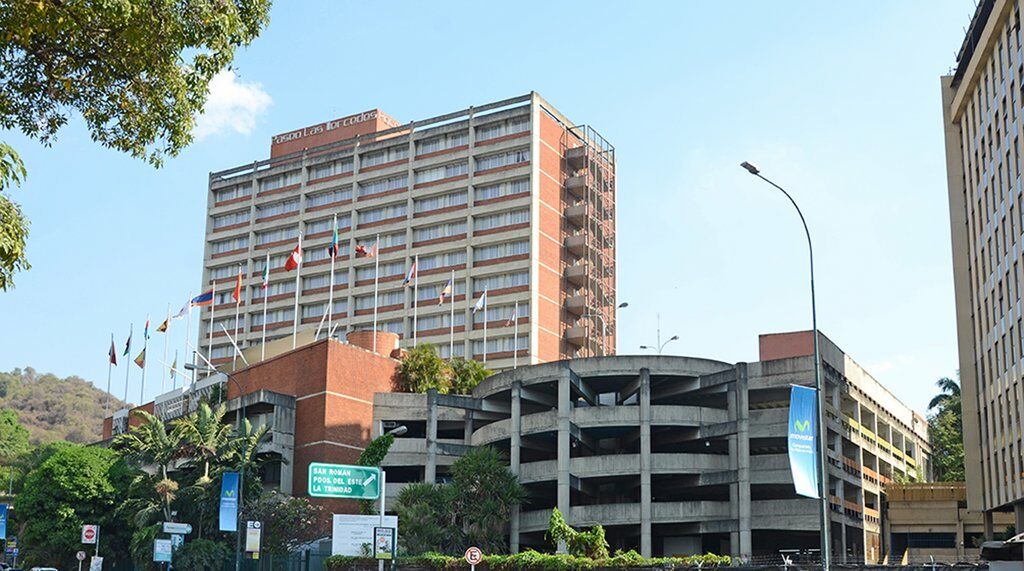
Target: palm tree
[205,436]
[150,443]
[948,398]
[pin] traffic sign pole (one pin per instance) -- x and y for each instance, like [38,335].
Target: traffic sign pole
[383,485]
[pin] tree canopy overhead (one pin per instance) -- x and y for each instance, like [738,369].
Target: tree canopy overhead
[945,430]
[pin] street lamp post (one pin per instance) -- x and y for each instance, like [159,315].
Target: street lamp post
[822,430]
[604,331]
[245,453]
[659,346]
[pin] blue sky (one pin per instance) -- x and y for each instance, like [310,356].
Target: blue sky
[839,103]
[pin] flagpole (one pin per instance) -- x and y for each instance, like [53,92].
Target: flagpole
[376,272]
[188,332]
[451,321]
[238,303]
[298,273]
[266,290]
[485,327]
[167,335]
[110,369]
[515,336]
[145,345]
[128,356]
[213,306]
[415,297]
[333,251]
[174,372]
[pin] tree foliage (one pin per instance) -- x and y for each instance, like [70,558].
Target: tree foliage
[473,509]
[945,430]
[288,522]
[590,543]
[13,437]
[138,73]
[423,369]
[373,455]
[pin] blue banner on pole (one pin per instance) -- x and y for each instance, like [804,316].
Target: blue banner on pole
[3,522]
[229,502]
[803,440]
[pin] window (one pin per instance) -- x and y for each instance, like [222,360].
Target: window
[330,169]
[442,172]
[232,192]
[383,185]
[274,316]
[395,326]
[386,270]
[222,351]
[275,262]
[374,158]
[317,253]
[502,312]
[503,128]
[283,207]
[441,201]
[384,299]
[444,350]
[229,245]
[280,180]
[223,272]
[433,291]
[501,219]
[502,159]
[317,309]
[386,240]
[231,219]
[226,297]
[278,288]
[383,213]
[276,235]
[439,231]
[458,257]
[442,142]
[501,250]
[329,197]
[324,280]
[501,281]
[501,344]
[500,189]
[425,322]
[327,224]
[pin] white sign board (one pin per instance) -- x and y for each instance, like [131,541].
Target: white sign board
[177,528]
[253,530]
[80,556]
[90,533]
[96,564]
[349,533]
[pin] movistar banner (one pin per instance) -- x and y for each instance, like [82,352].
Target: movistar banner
[803,440]
[229,502]
[3,522]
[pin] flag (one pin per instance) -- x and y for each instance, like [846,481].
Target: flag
[141,359]
[145,330]
[362,252]
[184,310]
[266,275]
[202,299]
[237,294]
[293,260]
[128,344]
[163,326]
[446,291]
[174,367]
[410,274]
[113,352]
[511,319]
[480,303]
[335,248]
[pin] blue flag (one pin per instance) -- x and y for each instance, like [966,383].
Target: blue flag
[803,440]
[3,522]
[229,502]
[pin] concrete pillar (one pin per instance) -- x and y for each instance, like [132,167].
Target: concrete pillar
[841,494]
[1018,516]
[430,472]
[467,430]
[743,457]
[515,449]
[645,463]
[564,450]
[987,518]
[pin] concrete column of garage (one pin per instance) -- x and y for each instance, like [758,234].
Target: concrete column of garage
[513,457]
[1018,516]
[739,463]
[564,450]
[430,471]
[645,462]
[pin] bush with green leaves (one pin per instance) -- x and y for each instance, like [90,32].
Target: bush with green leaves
[422,369]
[591,543]
[202,555]
[533,560]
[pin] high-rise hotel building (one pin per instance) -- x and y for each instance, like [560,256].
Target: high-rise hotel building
[512,196]
[982,107]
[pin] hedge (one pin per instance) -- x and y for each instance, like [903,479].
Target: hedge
[534,560]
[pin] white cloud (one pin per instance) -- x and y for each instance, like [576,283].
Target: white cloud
[232,106]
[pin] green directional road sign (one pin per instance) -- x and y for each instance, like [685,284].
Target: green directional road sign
[341,481]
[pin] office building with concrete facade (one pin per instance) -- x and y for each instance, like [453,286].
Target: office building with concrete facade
[672,455]
[511,198]
[981,102]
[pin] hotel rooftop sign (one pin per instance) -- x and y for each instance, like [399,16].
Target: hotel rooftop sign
[331,131]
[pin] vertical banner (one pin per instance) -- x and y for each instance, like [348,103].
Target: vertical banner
[229,502]
[3,522]
[803,440]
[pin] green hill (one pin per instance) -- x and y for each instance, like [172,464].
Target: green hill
[52,408]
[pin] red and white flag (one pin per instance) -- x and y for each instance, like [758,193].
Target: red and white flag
[293,260]
[410,274]
[444,292]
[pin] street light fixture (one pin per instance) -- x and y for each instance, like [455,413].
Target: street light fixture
[661,346]
[604,330]
[821,466]
[245,454]
[397,431]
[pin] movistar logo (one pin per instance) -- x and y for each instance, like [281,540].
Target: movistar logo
[802,425]
[229,493]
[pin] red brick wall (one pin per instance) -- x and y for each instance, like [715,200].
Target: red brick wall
[785,345]
[551,225]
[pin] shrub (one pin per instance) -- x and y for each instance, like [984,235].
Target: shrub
[202,555]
